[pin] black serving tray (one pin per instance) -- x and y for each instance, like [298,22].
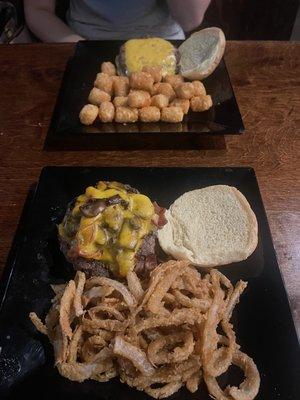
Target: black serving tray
[66,131]
[262,320]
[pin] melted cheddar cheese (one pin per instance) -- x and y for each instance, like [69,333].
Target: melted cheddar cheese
[112,234]
[150,52]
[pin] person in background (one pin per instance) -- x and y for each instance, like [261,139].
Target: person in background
[114,19]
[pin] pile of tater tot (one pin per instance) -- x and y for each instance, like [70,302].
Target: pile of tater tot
[144,96]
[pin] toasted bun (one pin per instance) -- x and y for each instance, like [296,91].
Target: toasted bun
[201,53]
[210,227]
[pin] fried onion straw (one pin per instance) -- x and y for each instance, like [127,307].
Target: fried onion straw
[157,335]
[134,285]
[78,293]
[134,354]
[65,309]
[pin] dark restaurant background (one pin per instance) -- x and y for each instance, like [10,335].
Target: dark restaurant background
[239,19]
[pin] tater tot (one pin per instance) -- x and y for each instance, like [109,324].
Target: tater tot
[149,114]
[88,114]
[164,88]
[160,101]
[120,101]
[139,99]
[116,77]
[141,80]
[155,72]
[97,96]
[185,90]
[121,86]
[126,114]
[199,88]
[108,68]
[174,80]
[184,104]
[104,82]
[106,111]
[201,103]
[172,114]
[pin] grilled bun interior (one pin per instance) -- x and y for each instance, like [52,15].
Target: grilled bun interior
[201,53]
[210,227]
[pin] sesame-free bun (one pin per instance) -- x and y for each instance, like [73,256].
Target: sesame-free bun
[201,53]
[210,227]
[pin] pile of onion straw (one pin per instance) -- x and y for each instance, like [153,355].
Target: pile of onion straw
[157,335]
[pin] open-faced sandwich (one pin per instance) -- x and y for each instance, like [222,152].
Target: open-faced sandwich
[195,59]
[162,330]
[149,82]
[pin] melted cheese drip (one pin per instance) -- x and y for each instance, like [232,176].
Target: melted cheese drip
[150,52]
[112,236]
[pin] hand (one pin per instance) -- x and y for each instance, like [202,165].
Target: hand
[73,38]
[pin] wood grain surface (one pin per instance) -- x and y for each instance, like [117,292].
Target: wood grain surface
[266,80]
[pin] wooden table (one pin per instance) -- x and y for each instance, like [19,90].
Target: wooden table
[266,80]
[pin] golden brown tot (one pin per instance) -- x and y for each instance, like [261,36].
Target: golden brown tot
[172,114]
[160,101]
[164,88]
[141,80]
[184,104]
[185,90]
[201,103]
[106,111]
[174,80]
[88,114]
[120,101]
[126,114]
[121,85]
[149,114]
[97,96]
[199,88]
[155,72]
[138,99]
[108,68]
[104,82]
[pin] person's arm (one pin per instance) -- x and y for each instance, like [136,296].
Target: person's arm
[44,24]
[188,13]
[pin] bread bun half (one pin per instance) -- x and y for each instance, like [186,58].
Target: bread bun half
[210,227]
[201,53]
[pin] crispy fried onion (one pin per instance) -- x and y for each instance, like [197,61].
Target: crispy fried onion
[117,286]
[247,390]
[134,285]
[134,354]
[80,278]
[157,335]
[38,323]
[160,350]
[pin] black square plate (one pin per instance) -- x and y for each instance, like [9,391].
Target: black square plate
[262,321]
[66,131]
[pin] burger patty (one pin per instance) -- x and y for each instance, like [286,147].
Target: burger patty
[91,267]
[145,260]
